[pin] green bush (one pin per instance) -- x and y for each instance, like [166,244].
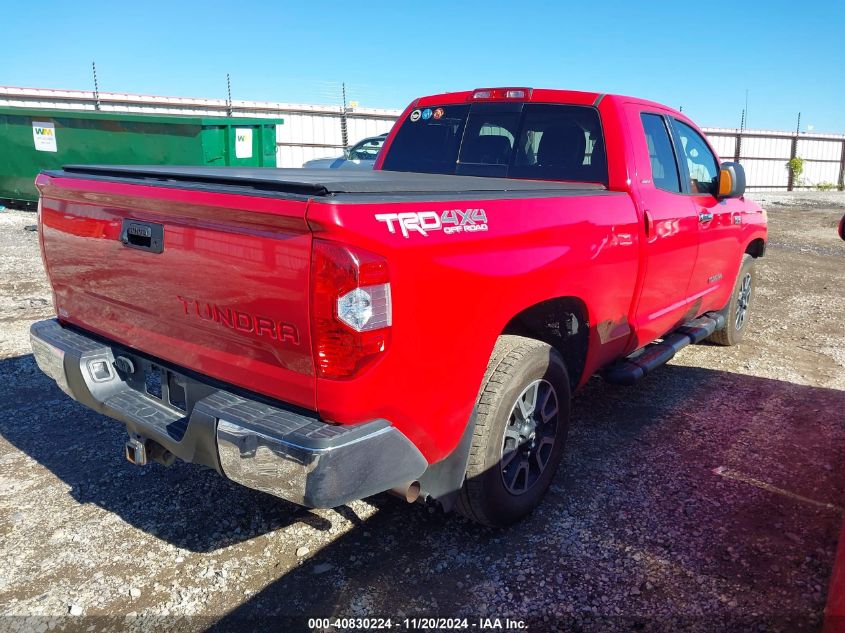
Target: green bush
[796,166]
[826,186]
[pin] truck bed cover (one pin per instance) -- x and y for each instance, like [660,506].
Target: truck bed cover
[325,183]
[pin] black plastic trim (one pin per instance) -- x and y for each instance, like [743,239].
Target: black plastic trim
[642,362]
[319,182]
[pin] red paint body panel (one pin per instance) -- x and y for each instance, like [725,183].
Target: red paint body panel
[834,612]
[224,254]
[452,294]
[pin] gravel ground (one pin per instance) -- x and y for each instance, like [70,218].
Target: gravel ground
[707,498]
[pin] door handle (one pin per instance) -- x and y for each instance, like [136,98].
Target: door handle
[704,217]
[648,223]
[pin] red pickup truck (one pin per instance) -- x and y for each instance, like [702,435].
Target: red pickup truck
[418,328]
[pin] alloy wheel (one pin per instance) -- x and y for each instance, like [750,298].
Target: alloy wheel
[529,436]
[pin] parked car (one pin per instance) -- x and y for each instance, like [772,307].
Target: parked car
[419,327]
[362,155]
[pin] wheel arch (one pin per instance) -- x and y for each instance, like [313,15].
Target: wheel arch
[563,323]
[756,247]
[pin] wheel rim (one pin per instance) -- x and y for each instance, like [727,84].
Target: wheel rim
[529,437]
[742,299]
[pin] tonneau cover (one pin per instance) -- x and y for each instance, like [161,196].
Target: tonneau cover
[325,182]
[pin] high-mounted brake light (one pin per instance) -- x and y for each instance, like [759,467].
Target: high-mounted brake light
[352,308]
[500,94]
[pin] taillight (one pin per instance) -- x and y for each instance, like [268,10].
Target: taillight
[351,307]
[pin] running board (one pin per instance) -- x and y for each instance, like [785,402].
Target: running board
[642,362]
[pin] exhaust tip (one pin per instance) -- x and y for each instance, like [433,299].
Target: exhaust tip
[409,492]
[413,492]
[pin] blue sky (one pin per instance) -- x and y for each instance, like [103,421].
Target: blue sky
[790,56]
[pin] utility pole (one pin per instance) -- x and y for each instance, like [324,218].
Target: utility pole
[793,152]
[96,86]
[738,146]
[344,128]
[745,111]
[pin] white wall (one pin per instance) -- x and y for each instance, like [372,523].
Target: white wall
[308,135]
[764,155]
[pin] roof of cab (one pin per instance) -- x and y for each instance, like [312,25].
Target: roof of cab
[541,95]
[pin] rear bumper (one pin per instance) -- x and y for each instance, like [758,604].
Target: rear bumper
[288,453]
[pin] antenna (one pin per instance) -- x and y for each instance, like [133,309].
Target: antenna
[96,86]
[228,95]
[798,127]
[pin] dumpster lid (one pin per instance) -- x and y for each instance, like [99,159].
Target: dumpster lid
[171,118]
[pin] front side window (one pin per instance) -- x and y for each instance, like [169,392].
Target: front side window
[661,155]
[702,167]
[508,140]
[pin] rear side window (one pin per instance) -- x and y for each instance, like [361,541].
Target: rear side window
[661,155]
[507,140]
[702,167]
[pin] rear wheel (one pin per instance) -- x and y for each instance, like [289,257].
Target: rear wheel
[521,423]
[736,313]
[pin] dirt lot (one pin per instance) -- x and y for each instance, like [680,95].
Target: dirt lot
[709,497]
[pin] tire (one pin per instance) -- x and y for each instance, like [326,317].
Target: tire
[736,313]
[498,488]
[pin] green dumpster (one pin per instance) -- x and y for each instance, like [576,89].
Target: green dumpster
[32,140]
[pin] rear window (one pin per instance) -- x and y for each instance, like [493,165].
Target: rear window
[508,140]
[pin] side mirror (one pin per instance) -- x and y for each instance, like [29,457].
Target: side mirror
[731,180]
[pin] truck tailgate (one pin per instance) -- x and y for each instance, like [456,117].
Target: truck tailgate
[213,281]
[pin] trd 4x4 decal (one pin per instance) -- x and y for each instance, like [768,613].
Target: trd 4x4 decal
[450,221]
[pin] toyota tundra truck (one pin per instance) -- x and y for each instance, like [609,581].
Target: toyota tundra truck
[418,328]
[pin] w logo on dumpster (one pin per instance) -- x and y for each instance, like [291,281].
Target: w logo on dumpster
[44,136]
[243,143]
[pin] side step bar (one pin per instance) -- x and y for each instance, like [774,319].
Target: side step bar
[642,362]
